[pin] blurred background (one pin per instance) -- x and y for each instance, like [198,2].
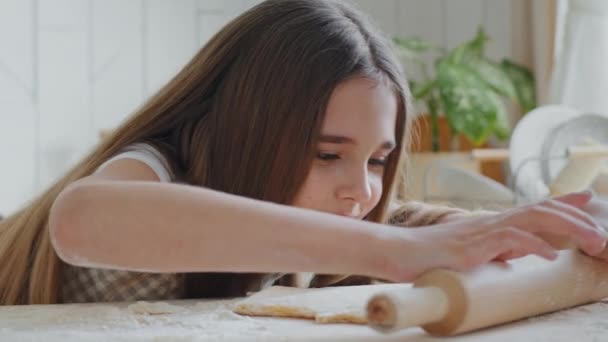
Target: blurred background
[73,69]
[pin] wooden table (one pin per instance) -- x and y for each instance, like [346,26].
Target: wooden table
[213,321]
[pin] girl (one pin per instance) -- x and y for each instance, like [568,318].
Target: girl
[275,150]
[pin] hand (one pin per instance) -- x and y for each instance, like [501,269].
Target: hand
[467,243]
[594,210]
[598,209]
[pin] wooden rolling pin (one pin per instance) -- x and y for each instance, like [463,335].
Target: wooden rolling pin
[446,303]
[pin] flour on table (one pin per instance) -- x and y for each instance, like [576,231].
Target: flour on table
[140,321]
[156,308]
[212,321]
[588,321]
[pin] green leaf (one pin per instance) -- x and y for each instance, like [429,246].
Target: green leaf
[413,44]
[422,90]
[412,50]
[524,83]
[494,75]
[459,54]
[478,44]
[470,105]
[502,127]
[470,50]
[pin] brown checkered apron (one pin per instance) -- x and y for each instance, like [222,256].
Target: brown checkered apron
[83,285]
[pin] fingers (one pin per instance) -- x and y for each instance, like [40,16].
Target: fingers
[577,199]
[517,243]
[602,255]
[549,218]
[574,212]
[581,215]
[502,244]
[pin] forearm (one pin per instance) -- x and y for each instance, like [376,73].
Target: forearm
[158,227]
[409,214]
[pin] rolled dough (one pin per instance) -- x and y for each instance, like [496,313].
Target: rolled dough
[343,304]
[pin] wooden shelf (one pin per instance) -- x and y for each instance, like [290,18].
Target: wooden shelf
[490,167]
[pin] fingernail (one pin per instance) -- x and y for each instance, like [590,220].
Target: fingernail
[601,231]
[600,248]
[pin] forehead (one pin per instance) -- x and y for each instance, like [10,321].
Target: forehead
[361,106]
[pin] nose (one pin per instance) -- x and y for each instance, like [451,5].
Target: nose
[355,185]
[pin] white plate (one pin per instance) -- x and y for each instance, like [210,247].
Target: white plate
[526,148]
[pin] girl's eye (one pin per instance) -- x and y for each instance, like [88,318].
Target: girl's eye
[327,156]
[378,162]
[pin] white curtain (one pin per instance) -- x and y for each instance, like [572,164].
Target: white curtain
[533,24]
[580,73]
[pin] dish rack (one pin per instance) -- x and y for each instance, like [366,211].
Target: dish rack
[553,150]
[582,165]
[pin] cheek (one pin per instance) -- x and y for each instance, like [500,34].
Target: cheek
[314,190]
[376,186]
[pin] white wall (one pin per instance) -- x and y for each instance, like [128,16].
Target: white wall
[69,68]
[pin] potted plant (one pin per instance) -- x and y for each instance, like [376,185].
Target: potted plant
[467,87]
[465,94]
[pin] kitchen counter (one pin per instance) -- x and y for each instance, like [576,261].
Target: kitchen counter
[213,321]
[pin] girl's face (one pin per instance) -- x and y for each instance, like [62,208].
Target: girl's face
[357,136]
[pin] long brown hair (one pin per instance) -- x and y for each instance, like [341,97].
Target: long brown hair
[241,117]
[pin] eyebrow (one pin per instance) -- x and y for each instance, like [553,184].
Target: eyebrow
[338,139]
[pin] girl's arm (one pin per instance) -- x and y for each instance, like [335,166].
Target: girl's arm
[123,218]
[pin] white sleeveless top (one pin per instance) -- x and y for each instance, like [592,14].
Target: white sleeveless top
[83,284]
[148,155]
